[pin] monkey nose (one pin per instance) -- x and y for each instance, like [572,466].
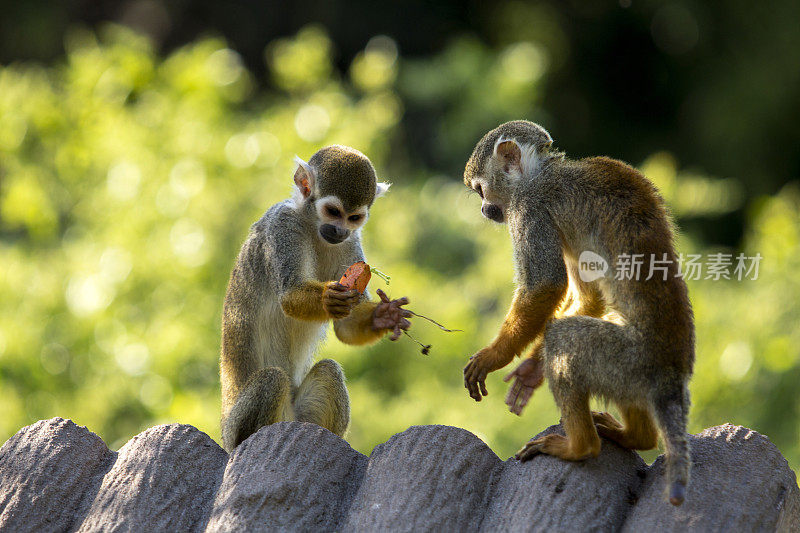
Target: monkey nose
[492,212]
[333,234]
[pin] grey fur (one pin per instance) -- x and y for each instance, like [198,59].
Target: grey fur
[266,354]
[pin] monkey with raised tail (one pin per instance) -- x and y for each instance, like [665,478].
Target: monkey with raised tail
[281,295]
[628,339]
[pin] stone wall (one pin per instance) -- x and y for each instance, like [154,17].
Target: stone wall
[57,476]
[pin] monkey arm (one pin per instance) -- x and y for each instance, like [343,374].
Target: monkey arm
[526,319]
[542,279]
[542,283]
[305,302]
[356,329]
[369,321]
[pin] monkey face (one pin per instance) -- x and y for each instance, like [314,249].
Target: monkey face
[492,203]
[336,224]
[340,183]
[502,158]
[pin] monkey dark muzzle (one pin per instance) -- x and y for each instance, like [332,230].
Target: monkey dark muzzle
[333,234]
[492,212]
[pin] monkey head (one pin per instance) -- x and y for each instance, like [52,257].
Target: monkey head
[501,158]
[340,184]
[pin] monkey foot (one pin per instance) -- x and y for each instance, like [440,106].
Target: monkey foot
[555,445]
[605,419]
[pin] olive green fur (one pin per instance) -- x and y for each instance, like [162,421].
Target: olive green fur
[564,207]
[344,172]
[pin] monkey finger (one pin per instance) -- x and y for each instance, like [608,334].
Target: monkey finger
[483,387]
[404,324]
[335,286]
[472,387]
[383,297]
[337,296]
[476,395]
[402,301]
[509,376]
[511,396]
[406,313]
[396,334]
[469,372]
[524,397]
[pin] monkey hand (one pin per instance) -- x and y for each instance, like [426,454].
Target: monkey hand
[487,360]
[389,314]
[528,376]
[338,300]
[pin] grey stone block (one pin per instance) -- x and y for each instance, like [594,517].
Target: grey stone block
[290,476]
[548,494]
[47,470]
[164,479]
[293,476]
[427,478]
[739,482]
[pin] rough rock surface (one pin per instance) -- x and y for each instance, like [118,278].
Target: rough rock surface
[56,476]
[739,482]
[435,478]
[164,479]
[548,494]
[290,476]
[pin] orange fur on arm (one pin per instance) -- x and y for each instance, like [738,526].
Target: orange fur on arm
[356,328]
[305,302]
[530,311]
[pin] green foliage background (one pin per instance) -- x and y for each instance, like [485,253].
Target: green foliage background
[128,182]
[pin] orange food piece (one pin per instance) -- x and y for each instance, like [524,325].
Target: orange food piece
[356,276]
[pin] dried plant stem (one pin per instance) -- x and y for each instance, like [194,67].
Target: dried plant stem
[434,322]
[426,348]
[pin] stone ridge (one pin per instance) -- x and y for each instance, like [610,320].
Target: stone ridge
[56,476]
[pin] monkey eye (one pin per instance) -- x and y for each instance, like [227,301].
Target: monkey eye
[332,211]
[354,218]
[479,190]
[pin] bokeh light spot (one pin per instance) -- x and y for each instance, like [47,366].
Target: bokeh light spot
[736,360]
[55,358]
[133,358]
[312,122]
[123,180]
[224,66]
[88,294]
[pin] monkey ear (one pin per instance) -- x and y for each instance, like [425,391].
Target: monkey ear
[381,188]
[508,153]
[304,177]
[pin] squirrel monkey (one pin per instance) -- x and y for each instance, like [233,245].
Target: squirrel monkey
[627,339]
[279,301]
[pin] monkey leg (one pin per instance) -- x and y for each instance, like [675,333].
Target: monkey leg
[322,397]
[583,356]
[265,399]
[637,431]
[605,419]
[581,441]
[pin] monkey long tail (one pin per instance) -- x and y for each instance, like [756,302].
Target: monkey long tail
[671,416]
